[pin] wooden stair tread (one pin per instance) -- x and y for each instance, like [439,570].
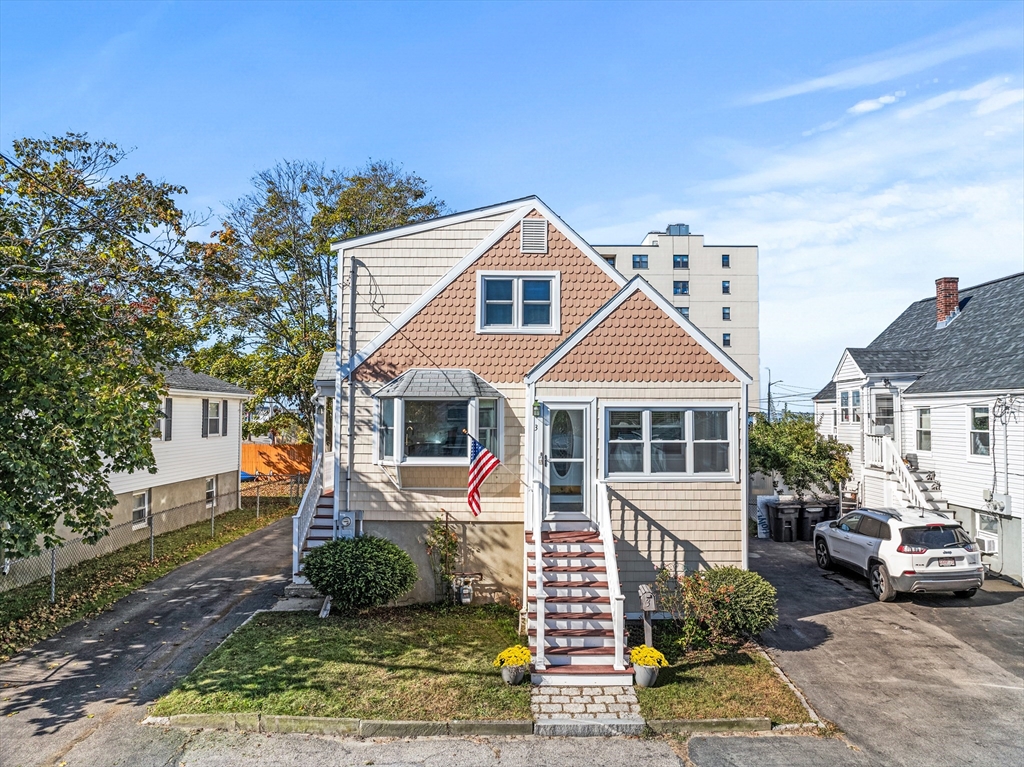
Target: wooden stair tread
[571,616]
[574,633]
[566,536]
[573,600]
[571,569]
[571,555]
[577,669]
[570,584]
[575,650]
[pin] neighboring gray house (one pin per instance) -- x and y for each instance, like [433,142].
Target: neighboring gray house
[934,411]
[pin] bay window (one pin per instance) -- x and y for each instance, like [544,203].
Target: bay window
[434,431]
[667,441]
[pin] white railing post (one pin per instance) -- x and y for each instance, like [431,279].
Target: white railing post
[538,581]
[894,463]
[303,518]
[611,562]
[296,546]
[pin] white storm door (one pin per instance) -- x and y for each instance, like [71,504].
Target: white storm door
[566,442]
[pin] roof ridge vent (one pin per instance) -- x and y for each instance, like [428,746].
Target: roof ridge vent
[534,236]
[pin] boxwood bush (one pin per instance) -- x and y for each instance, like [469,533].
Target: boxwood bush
[359,573]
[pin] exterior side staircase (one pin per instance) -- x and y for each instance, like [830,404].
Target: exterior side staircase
[579,627]
[930,489]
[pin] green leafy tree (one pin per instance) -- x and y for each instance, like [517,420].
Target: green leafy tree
[791,448]
[88,315]
[272,320]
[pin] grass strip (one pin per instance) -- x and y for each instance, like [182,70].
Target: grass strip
[425,662]
[84,589]
[737,682]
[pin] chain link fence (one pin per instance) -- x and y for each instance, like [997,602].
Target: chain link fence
[261,496]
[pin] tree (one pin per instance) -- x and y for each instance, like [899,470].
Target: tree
[88,315]
[270,323]
[791,448]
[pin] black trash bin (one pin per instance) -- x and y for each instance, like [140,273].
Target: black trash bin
[809,517]
[831,510]
[784,522]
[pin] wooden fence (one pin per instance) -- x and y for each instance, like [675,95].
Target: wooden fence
[276,459]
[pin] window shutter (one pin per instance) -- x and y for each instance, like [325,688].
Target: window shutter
[206,418]
[534,238]
[168,417]
[224,418]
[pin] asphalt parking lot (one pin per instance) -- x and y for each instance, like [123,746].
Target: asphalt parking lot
[924,680]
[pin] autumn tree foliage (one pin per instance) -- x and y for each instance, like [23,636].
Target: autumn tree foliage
[93,267]
[268,324]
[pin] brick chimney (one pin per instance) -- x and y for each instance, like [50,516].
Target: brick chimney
[947,300]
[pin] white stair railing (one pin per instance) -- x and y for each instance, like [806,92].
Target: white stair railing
[894,464]
[303,518]
[611,562]
[874,453]
[539,662]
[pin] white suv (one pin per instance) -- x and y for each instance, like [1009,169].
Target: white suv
[902,551]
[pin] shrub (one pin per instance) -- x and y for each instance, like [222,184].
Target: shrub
[718,607]
[358,573]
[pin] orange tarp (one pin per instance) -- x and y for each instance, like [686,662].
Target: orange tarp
[276,459]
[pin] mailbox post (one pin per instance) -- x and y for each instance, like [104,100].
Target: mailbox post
[647,605]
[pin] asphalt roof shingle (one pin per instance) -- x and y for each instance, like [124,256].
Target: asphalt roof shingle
[180,377]
[982,349]
[451,382]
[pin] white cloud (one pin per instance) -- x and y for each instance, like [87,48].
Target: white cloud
[873,105]
[855,224]
[900,62]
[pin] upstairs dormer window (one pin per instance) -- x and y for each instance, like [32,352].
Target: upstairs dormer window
[534,237]
[522,302]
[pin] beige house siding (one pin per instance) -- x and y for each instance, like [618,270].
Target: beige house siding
[394,273]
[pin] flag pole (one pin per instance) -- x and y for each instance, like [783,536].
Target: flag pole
[502,464]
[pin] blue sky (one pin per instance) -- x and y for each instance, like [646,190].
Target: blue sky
[867,148]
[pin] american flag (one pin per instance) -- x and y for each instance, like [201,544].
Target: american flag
[481,463]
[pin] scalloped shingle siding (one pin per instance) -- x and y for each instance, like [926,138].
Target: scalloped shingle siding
[443,334]
[637,342]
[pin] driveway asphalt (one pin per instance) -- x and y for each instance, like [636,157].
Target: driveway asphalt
[925,680]
[77,698]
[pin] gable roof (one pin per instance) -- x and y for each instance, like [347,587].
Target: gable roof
[438,382]
[980,350]
[638,286]
[531,206]
[180,377]
[874,361]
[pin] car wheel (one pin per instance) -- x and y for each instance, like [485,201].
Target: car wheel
[965,594]
[881,583]
[822,554]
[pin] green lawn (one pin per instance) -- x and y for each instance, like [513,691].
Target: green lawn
[425,662]
[715,685]
[26,615]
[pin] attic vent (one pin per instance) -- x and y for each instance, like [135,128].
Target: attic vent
[535,236]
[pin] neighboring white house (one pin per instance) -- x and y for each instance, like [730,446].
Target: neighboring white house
[934,411]
[197,447]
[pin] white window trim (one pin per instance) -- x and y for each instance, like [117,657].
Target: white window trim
[472,426]
[972,457]
[517,327]
[917,428]
[149,510]
[689,406]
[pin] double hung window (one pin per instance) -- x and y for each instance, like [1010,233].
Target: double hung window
[680,262]
[525,303]
[924,429]
[140,508]
[855,397]
[433,431]
[640,261]
[671,442]
[726,313]
[844,403]
[726,339]
[726,287]
[680,287]
[980,434]
[725,260]
[211,492]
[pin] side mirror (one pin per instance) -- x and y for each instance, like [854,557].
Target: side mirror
[834,523]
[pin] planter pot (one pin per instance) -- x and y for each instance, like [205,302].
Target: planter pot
[513,674]
[646,676]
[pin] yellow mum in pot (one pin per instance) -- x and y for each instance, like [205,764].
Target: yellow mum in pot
[646,656]
[516,656]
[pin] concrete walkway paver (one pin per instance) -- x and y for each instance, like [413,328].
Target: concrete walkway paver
[611,710]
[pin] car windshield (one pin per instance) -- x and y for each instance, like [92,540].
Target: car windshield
[936,536]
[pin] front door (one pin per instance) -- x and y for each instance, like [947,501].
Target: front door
[565,460]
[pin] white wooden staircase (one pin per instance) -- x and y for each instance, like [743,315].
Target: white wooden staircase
[582,619]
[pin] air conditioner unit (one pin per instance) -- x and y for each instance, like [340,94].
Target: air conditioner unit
[988,545]
[880,431]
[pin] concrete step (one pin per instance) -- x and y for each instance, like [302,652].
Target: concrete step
[582,675]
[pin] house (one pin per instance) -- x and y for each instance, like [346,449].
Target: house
[714,286]
[197,447]
[620,425]
[934,411]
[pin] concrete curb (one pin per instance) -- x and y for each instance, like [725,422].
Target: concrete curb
[322,725]
[815,719]
[752,724]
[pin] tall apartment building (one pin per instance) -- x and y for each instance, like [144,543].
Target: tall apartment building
[715,286]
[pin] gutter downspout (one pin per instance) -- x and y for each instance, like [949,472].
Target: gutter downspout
[745,479]
[336,410]
[350,410]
